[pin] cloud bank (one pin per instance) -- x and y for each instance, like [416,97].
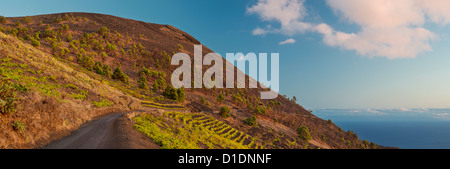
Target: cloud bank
[388,28]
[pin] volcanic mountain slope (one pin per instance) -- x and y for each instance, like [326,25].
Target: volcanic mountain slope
[122,62]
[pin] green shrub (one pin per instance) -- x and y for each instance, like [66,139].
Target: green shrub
[225,112]
[260,110]
[202,100]
[18,24]
[80,96]
[142,81]
[69,38]
[170,93]
[106,71]
[348,143]
[103,31]
[98,68]
[18,126]
[35,42]
[87,62]
[220,98]
[119,75]
[303,133]
[111,47]
[103,103]
[181,95]
[8,98]
[27,20]
[3,20]
[251,121]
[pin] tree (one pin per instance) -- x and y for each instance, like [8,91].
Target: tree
[225,112]
[294,99]
[303,133]
[220,98]
[119,75]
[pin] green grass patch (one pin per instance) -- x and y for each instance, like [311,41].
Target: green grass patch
[175,130]
[103,103]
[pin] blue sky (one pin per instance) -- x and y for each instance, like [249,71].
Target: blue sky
[324,68]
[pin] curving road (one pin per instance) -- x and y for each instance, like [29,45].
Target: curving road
[113,131]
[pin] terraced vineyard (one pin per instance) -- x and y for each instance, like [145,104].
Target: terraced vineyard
[162,106]
[175,130]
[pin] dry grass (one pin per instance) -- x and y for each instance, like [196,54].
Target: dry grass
[47,110]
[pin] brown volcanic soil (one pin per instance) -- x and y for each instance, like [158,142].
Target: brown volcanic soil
[281,121]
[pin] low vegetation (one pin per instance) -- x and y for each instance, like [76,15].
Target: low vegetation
[174,130]
[225,112]
[8,97]
[303,133]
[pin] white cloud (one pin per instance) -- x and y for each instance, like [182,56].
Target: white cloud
[286,12]
[287,41]
[259,31]
[391,29]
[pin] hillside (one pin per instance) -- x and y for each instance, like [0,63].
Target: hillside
[69,68]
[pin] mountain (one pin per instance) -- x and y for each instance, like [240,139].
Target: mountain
[62,70]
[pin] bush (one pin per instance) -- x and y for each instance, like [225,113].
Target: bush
[8,98]
[18,24]
[170,93]
[27,20]
[87,62]
[202,100]
[103,31]
[220,98]
[18,126]
[69,38]
[3,20]
[303,133]
[260,110]
[119,75]
[106,71]
[103,103]
[35,42]
[98,68]
[181,95]
[251,121]
[225,112]
[142,81]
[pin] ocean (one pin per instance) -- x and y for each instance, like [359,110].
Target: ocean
[402,134]
[393,128]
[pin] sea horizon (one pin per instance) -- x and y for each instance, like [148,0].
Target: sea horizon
[401,128]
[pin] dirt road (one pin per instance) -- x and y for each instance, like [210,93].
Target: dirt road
[113,131]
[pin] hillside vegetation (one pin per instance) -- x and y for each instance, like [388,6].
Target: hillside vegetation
[61,70]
